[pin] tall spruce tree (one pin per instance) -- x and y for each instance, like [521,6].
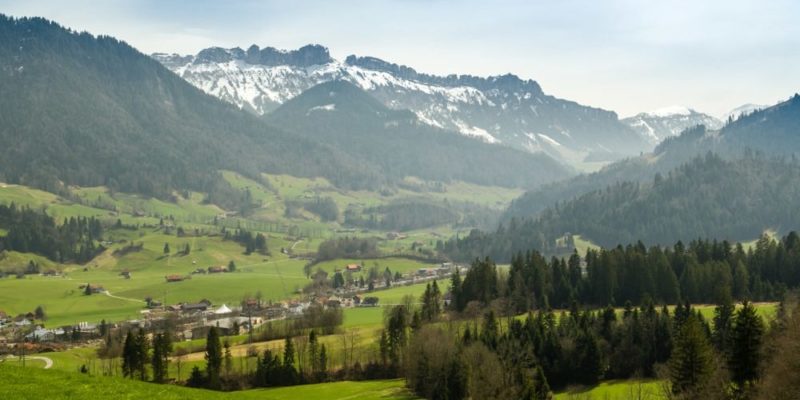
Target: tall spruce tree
[213,359]
[691,360]
[745,351]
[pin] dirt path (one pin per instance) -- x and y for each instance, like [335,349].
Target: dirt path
[107,293]
[48,362]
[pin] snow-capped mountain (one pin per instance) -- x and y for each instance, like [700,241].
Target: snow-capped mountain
[743,110]
[499,109]
[660,124]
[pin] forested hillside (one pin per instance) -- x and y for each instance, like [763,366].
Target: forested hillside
[709,197]
[771,131]
[395,144]
[91,111]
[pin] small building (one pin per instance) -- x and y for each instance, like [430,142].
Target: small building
[125,274]
[196,307]
[174,278]
[217,270]
[199,271]
[42,335]
[352,268]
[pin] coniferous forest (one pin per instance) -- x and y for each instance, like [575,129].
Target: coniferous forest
[32,231]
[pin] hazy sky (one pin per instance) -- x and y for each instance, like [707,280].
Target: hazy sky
[626,56]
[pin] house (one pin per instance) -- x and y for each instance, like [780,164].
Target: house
[125,274]
[276,311]
[199,271]
[217,270]
[174,308]
[352,268]
[41,335]
[426,272]
[174,278]
[51,272]
[197,307]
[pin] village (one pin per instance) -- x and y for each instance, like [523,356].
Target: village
[193,320]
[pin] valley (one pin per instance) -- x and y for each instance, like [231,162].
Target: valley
[209,221]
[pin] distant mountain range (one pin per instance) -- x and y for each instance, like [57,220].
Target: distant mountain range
[84,110]
[499,109]
[660,124]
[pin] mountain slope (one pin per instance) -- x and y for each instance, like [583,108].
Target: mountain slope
[658,125]
[396,144]
[503,109]
[709,197]
[774,131]
[85,110]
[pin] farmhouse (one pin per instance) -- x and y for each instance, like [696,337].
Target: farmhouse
[352,268]
[198,307]
[174,278]
[217,270]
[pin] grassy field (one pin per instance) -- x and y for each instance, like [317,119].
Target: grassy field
[35,384]
[618,389]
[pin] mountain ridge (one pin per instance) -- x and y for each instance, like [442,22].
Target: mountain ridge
[500,109]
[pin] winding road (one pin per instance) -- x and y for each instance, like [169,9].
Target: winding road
[48,362]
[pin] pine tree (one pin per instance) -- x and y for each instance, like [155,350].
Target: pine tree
[541,389]
[129,356]
[691,360]
[456,291]
[322,366]
[228,358]
[745,351]
[313,350]
[141,349]
[723,321]
[213,358]
[162,348]
[166,249]
[231,266]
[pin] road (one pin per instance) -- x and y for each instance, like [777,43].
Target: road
[48,363]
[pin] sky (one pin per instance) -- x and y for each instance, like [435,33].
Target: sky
[622,55]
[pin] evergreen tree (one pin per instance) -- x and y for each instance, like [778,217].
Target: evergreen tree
[213,359]
[455,291]
[162,348]
[745,351]
[541,389]
[231,266]
[129,355]
[691,360]
[313,350]
[166,249]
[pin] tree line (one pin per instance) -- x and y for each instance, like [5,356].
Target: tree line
[701,272]
[33,231]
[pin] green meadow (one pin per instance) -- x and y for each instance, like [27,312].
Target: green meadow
[36,384]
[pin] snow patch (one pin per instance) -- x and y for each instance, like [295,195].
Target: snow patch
[326,107]
[670,111]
